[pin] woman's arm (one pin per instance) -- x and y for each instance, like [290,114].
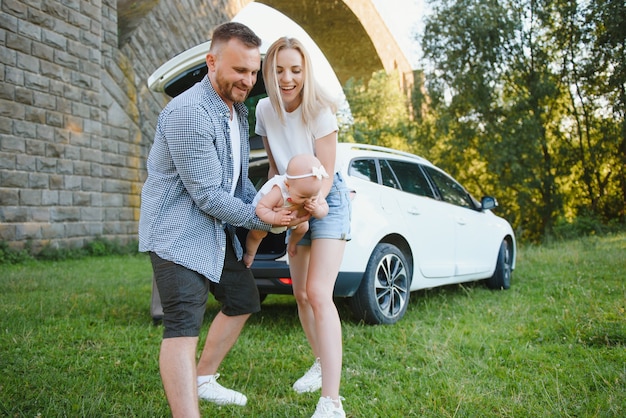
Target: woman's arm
[272,170]
[326,151]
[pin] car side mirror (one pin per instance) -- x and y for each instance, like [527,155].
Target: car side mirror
[488,202]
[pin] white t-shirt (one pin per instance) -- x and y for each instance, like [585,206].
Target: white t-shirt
[292,137]
[235,146]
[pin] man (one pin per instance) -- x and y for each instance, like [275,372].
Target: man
[197,191]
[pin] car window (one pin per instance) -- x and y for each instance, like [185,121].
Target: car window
[450,190]
[411,178]
[257,172]
[388,177]
[251,103]
[364,169]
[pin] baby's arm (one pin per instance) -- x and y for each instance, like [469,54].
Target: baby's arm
[270,208]
[318,207]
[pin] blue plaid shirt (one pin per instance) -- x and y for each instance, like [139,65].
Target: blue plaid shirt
[185,202]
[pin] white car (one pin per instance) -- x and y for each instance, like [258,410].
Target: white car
[413,226]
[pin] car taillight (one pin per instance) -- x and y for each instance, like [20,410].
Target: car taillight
[285,280]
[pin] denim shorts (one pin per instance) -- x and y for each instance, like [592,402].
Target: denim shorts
[184,293]
[335,225]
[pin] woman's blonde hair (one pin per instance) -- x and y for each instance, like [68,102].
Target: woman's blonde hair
[314,97]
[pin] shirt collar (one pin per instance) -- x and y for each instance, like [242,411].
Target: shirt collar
[208,87]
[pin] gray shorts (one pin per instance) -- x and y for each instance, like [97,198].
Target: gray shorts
[184,293]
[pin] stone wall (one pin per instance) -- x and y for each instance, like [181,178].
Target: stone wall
[76,117]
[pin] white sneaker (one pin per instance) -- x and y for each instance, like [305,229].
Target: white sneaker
[218,394]
[326,408]
[312,379]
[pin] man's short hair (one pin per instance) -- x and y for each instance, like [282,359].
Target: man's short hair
[229,30]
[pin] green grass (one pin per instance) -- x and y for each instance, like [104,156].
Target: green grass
[77,340]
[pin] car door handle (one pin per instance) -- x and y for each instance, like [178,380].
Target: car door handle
[414,211]
[461,221]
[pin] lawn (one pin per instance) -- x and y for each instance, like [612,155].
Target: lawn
[77,340]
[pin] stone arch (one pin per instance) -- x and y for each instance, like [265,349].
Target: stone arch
[351,33]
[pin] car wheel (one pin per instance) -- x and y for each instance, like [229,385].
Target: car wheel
[501,278]
[383,295]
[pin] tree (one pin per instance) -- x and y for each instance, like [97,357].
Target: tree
[380,112]
[515,110]
[604,77]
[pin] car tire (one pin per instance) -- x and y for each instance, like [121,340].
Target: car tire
[501,278]
[383,295]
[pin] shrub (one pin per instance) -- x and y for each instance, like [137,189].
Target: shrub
[98,247]
[10,255]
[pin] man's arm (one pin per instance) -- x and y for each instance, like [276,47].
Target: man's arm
[192,145]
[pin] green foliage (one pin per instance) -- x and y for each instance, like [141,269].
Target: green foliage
[9,255]
[379,112]
[103,247]
[97,247]
[528,101]
[78,340]
[583,225]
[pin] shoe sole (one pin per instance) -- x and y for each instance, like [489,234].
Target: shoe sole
[223,403]
[308,389]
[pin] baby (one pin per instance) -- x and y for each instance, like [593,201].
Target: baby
[297,190]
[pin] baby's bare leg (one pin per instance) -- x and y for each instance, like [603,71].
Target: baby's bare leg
[296,235]
[253,240]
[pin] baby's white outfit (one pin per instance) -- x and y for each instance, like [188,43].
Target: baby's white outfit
[277,180]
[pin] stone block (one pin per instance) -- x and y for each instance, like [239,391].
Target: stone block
[7,231]
[24,129]
[35,147]
[17,179]
[29,197]
[54,231]
[9,197]
[50,198]
[12,110]
[65,214]
[13,214]
[29,230]
[24,162]
[72,182]
[91,214]
[40,214]
[29,30]
[92,184]
[38,180]
[43,51]
[18,42]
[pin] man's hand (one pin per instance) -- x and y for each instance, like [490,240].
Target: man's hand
[283,217]
[297,220]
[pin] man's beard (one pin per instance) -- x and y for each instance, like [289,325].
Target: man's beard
[227,91]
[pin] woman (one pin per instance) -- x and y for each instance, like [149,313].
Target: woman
[298,117]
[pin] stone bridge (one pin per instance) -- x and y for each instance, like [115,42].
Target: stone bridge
[351,33]
[77,119]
